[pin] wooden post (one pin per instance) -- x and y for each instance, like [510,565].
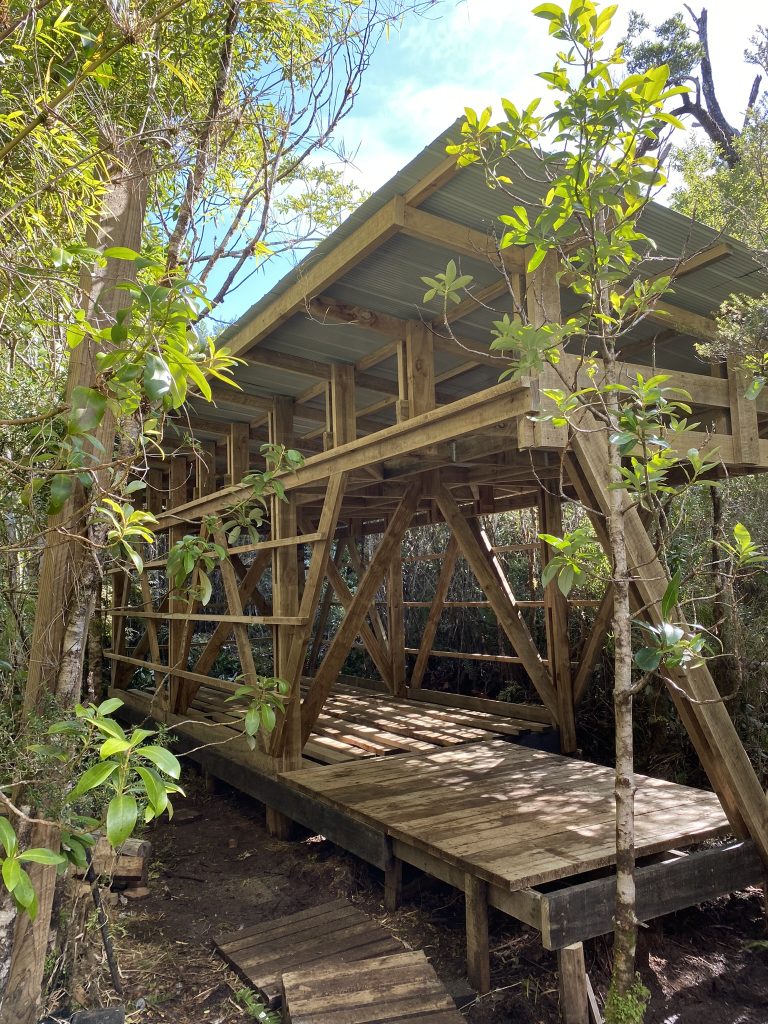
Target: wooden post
[238,452]
[574,1005]
[478,954]
[205,470]
[401,406]
[393,885]
[285,601]
[420,368]
[177,495]
[396,617]
[542,304]
[744,425]
[556,623]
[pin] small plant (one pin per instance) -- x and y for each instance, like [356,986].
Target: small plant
[266,698]
[629,1008]
[254,1007]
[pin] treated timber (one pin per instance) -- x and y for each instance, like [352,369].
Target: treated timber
[484,564]
[350,626]
[502,404]
[594,645]
[572,979]
[584,910]
[372,642]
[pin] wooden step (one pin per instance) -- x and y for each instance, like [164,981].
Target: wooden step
[261,953]
[399,987]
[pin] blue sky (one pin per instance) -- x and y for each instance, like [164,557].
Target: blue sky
[470,53]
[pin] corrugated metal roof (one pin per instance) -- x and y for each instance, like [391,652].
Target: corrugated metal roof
[388,280]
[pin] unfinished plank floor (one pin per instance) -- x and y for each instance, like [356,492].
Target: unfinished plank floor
[510,815]
[402,987]
[260,955]
[356,724]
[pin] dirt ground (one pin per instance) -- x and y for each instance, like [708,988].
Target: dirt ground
[215,869]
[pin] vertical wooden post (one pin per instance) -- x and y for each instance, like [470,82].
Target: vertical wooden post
[433,619]
[401,407]
[285,601]
[238,452]
[177,495]
[574,1005]
[393,885]
[556,623]
[478,954]
[396,614]
[542,304]
[155,491]
[205,469]
[420,368]
[744,426]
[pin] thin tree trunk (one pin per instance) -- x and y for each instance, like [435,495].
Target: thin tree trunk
[625,934]
[68,581]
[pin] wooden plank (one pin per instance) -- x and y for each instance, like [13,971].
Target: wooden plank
[324,611]
[572,977]
[263,620]
[478,954]
[357,563]
[494,585]
[238,452]
[494,707]
[395,988]
[378,652]
[435,612]
[350,626]
[420,368]
[583,911]
[460,240]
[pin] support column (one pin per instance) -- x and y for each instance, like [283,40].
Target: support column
[285,601]
[572,977]
[238,452]
[556,623]
[205,469]
[478,954]
[542,305]
[177,495]
[396,616]
[419,368]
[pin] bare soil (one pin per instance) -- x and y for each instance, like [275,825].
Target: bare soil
[215,869]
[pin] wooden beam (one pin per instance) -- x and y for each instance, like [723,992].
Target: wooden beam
[350,625]
[440,175]
[316,277]
[372,642]
[357,563]
[326,309]
[324,611]
[556,624]
[504,403]
[744,425]
[396,621]
[342,396]
[460,240]
[436,610]
[594,644]
[476,548]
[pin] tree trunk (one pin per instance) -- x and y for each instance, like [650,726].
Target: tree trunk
[625,934]
[69,580]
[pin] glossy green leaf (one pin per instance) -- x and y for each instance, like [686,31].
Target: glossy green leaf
[122,813]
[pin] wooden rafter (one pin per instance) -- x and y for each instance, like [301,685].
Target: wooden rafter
[355,615]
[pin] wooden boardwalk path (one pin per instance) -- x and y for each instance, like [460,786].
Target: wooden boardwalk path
[512,816]
[393,989]
[338,930]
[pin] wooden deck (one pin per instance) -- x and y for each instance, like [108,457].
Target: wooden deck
[512,816]
[356,724]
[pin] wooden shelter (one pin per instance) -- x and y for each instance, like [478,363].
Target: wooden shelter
[402,426]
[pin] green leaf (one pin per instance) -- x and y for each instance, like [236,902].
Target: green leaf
[61,488]
[121,252]
[41,855]
[154,788]
[108,706]
[87,410]
[162,759]
[268,718]
[113,745]
[252,719]
[648,659]
[671,595]
[96,775]
[7,837]
[122,813]
[566,578]
[11,871]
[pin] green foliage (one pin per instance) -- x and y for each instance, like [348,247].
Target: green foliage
[265,701]
[670,44]
[193,554]
[628,1008]
[255,1008]
[578,554]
